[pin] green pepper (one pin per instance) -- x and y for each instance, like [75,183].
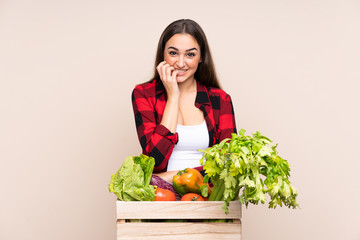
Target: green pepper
[189,181]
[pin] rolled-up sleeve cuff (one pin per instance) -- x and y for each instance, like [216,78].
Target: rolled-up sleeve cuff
[165,132]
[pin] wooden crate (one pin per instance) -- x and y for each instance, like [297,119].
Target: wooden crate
[193,228]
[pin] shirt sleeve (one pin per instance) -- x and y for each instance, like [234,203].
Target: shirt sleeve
[155,139]
[227,124]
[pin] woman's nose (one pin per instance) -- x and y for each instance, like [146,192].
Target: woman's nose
[181,62]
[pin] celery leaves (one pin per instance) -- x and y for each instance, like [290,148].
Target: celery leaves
[247,168]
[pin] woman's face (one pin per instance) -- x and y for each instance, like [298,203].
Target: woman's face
[183,53]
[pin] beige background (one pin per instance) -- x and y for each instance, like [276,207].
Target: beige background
[67,69]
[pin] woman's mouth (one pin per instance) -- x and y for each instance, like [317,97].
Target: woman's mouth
[181,71]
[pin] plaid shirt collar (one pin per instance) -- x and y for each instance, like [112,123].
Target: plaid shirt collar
[202,97]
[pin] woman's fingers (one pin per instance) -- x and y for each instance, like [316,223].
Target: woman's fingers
[161,68]
[166,72]
[174,74]
[167,75]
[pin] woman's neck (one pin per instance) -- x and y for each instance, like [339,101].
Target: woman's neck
[188,86]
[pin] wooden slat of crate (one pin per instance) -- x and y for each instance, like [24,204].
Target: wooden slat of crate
[152,230]
[177,210]
[176,230]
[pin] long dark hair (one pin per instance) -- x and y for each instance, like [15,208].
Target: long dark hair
[205,72]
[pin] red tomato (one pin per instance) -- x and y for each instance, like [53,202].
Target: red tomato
[192,197]
[164,195]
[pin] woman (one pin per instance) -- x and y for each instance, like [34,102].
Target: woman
[182,108]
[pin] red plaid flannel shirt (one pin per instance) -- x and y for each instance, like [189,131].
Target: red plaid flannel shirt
[149,100]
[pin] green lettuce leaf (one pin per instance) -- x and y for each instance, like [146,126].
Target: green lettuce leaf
[132,181]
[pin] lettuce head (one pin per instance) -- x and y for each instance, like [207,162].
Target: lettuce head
[132,181]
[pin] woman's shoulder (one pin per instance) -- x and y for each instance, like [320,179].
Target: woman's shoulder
[147,88]
[213,91]
[146,85]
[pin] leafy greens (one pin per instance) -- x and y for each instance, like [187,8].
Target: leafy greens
[132,181]
[240,164]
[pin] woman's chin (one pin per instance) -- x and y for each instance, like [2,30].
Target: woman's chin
[181,79]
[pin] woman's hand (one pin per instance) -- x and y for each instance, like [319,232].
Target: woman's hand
[168,78]
[171,111]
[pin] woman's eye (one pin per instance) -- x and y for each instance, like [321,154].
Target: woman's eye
[191,54]
[173,53]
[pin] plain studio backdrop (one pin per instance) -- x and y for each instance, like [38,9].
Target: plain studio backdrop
[67,69]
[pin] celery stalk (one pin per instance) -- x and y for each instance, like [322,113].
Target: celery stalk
[218,191]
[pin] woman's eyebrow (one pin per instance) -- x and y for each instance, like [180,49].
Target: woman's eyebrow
[185,50]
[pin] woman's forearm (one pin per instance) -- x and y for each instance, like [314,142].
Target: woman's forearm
[170,115]
[167,176]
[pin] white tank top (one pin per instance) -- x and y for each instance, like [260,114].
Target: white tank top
[185,153]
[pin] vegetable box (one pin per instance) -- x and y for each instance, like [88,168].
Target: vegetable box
[170,220]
